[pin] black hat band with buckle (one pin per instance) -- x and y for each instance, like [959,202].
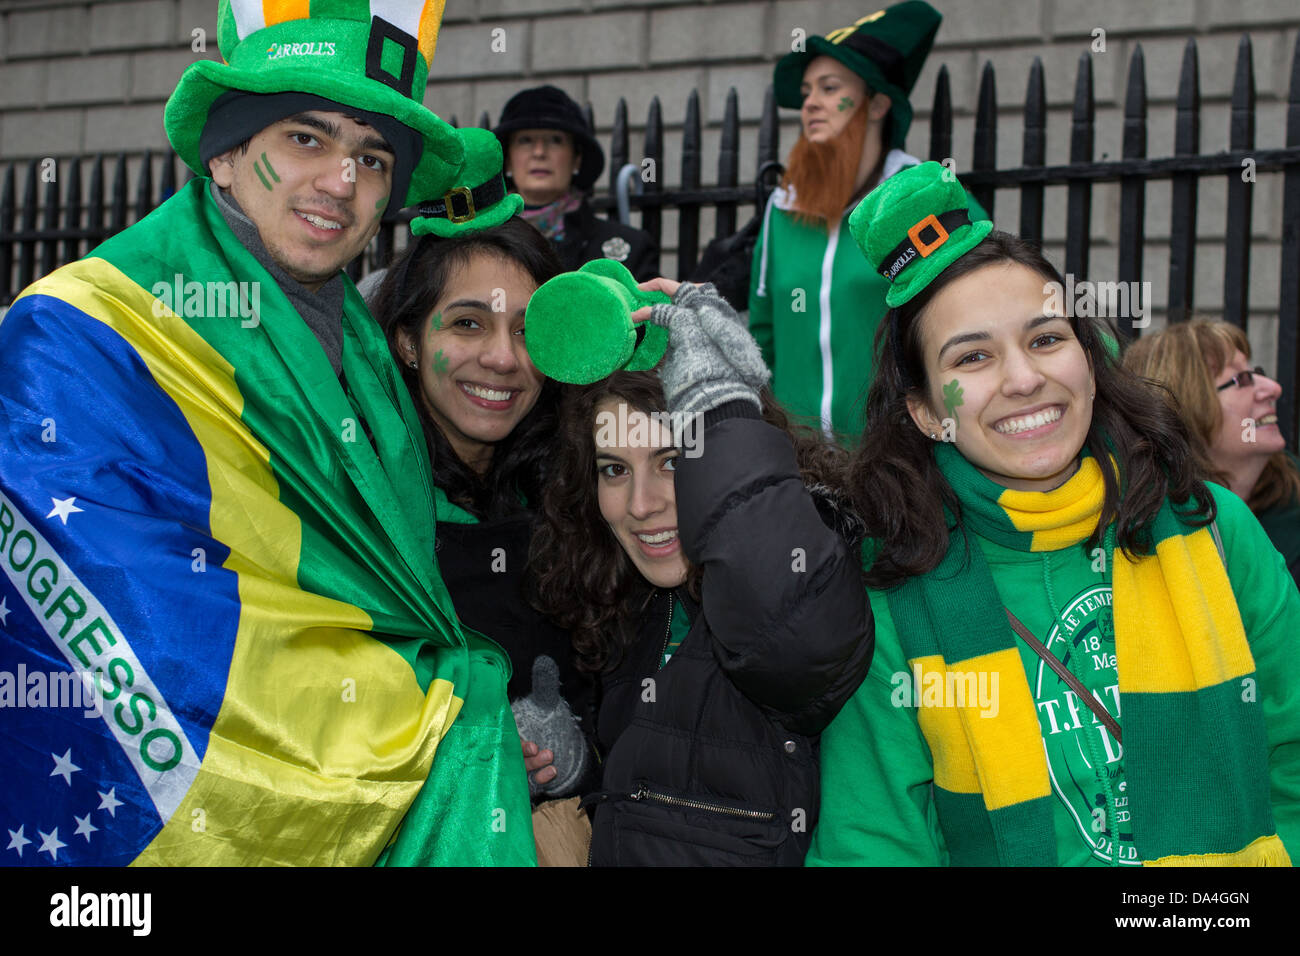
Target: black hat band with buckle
[462,203]
[923,239]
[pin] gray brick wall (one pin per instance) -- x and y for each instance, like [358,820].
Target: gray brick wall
[94,74]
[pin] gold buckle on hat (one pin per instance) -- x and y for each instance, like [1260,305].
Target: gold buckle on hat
[840,35]
[925,248]
[469,203]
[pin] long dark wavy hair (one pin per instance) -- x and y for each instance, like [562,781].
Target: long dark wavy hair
[414,282]
[579,575]
[900,493]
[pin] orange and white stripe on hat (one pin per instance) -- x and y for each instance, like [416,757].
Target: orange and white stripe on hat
[420,18]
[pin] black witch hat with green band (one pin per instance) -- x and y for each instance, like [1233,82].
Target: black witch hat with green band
[913,226]
[371,55]
[580,329]
[479,199]
[886,48]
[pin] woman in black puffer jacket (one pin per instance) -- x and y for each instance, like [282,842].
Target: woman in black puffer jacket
[722,654]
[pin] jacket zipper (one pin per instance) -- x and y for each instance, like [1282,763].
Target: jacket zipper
[645,793]
[668,631]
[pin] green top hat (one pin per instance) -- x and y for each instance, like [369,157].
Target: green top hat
[579,325]
[479,199]
[340,52]
[886,48]
[913,226]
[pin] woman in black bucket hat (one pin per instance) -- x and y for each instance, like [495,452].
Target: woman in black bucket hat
[552,161]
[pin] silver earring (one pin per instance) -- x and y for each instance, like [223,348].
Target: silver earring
[933,437]
[414,364]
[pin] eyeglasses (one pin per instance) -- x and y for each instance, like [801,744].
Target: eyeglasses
[1243,379]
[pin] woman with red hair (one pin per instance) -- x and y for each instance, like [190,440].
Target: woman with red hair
[814,304]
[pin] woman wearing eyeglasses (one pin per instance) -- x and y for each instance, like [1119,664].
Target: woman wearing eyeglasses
[1232,408]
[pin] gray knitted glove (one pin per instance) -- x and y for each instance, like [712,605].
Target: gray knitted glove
[544,718]
[712,359]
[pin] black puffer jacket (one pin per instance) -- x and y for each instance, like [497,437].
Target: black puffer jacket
[588,237]
[712,760]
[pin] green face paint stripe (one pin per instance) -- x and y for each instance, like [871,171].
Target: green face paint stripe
[267,162]
[952,397]
[439,363]
[846,103]
[435,323]
[262,177]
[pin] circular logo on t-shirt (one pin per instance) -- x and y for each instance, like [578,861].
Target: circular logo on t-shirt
[1079,747]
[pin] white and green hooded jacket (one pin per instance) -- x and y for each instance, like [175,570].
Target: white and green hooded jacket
[814,305]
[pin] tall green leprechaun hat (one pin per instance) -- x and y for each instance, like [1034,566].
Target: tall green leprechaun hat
[886,48]
[479,199]
[369,55]
[580,327]
[913,226]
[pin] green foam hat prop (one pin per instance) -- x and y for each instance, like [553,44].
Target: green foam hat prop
[478,201]
[371,55]
[886,48]
[913,226]
[579,325]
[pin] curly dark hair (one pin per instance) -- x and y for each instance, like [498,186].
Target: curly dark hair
[414,282]
[579,575]
[900,493]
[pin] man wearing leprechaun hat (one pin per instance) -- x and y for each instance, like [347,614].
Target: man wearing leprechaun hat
[214,496]
[814,305]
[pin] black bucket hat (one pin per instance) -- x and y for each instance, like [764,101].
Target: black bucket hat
[549,107]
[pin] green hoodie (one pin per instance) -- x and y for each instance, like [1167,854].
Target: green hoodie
[814,305]
[876,766]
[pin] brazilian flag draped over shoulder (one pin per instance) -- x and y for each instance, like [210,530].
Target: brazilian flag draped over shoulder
[223,637]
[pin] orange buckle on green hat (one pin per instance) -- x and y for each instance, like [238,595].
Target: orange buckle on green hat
[932,223]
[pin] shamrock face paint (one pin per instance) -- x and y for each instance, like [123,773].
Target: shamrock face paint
[476,379]
[1019,376]
[952,398]
[832,93]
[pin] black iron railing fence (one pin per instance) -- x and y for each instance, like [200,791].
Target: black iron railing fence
[51,223]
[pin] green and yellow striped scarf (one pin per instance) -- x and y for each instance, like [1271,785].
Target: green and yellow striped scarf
[1194,742]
